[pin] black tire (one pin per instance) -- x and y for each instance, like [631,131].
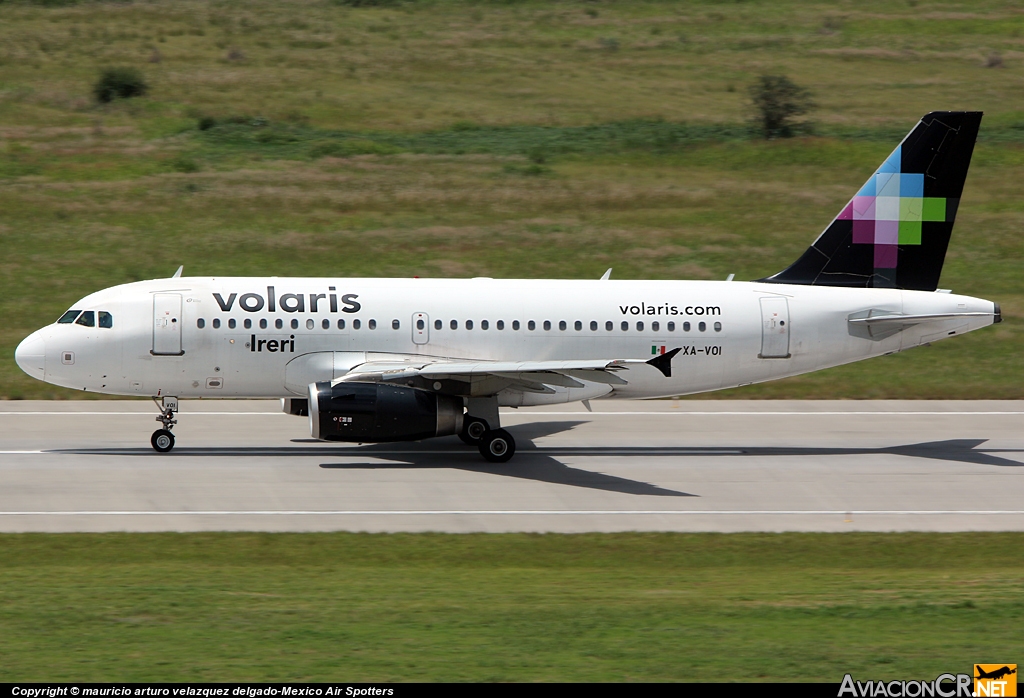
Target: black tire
[473,429]
[162,441]
[497,446]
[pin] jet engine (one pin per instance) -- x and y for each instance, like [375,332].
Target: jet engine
[378,412]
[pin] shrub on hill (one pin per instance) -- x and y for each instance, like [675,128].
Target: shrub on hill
[119,82]
[776,101]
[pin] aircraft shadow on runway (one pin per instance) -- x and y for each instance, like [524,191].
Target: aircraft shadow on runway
[543,464]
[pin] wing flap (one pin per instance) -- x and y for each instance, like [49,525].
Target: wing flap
[493,376]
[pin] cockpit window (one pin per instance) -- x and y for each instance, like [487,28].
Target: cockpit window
[68,317]
[106,319]
[88,319]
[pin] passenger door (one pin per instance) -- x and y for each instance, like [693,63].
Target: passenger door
[167,324]
[774,328]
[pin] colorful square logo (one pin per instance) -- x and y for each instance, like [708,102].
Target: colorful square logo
[889,209]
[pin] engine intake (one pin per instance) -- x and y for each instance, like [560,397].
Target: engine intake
[378,412]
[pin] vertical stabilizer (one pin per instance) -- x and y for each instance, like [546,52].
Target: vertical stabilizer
[895,231]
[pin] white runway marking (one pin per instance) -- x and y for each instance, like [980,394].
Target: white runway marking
[691,413]
[525,512]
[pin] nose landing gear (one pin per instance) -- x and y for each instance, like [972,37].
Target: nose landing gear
[162,439]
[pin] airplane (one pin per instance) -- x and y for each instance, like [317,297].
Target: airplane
[995,674]
[379,360]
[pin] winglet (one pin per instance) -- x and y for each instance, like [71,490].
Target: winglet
[663,362]
[177,274]
[607,275]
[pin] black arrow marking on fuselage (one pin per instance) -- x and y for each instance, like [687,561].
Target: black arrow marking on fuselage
[663,362]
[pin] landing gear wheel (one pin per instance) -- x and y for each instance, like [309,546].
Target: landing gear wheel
[497,446]
[473,430]
[162,440]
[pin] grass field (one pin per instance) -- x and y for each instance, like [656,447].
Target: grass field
[624,607]
[513,139]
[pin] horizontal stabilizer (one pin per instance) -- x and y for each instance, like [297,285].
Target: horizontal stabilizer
[907,320]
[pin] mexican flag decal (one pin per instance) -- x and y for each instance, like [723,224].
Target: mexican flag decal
[655,350]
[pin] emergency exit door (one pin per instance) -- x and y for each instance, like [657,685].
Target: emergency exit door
[167,324]
[420,328]
[774,328]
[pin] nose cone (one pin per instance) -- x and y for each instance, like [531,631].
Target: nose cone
[31,355]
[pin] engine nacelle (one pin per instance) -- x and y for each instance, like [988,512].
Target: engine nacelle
[295,406]
[377,412]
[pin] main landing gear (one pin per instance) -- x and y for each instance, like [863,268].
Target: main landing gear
[162,439]
[496,445]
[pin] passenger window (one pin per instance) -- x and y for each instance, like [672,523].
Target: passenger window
[395,324]
[356,324]
[702,326]
[561,325]
[655,326]
[279,323]
[547,325]
[454,324]
[106,319]
[718,327]
[420,325]
[372,324]
[469,324]
[326,324]
[68,317]
[639,327]
[216,323]
[341,323]
[686,327]
[247,323]
[484,325]
[625,326]
[609,325]
[515,324]
[231,323]
[593,325]
[200,323]
[87,319]
[578,325]
[500,324]
[310,324]
[531,325]
[263,323]
[295,324]
[671,327]
[438,324]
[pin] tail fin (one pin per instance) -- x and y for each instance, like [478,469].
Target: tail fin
[894,232]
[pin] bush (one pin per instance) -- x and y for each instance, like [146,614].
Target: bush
[206,123]
[183,163]
[119,82]
[776,100]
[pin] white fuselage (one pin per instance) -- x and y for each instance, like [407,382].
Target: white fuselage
[219,337]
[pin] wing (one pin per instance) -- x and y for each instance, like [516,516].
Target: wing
[481,378]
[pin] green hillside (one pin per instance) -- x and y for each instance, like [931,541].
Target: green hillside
[510,139]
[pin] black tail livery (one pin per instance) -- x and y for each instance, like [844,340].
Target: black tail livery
[895,231]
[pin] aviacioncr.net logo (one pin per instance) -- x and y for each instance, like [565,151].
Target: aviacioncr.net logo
[944,686]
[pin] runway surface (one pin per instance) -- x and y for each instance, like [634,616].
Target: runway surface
[659,466]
